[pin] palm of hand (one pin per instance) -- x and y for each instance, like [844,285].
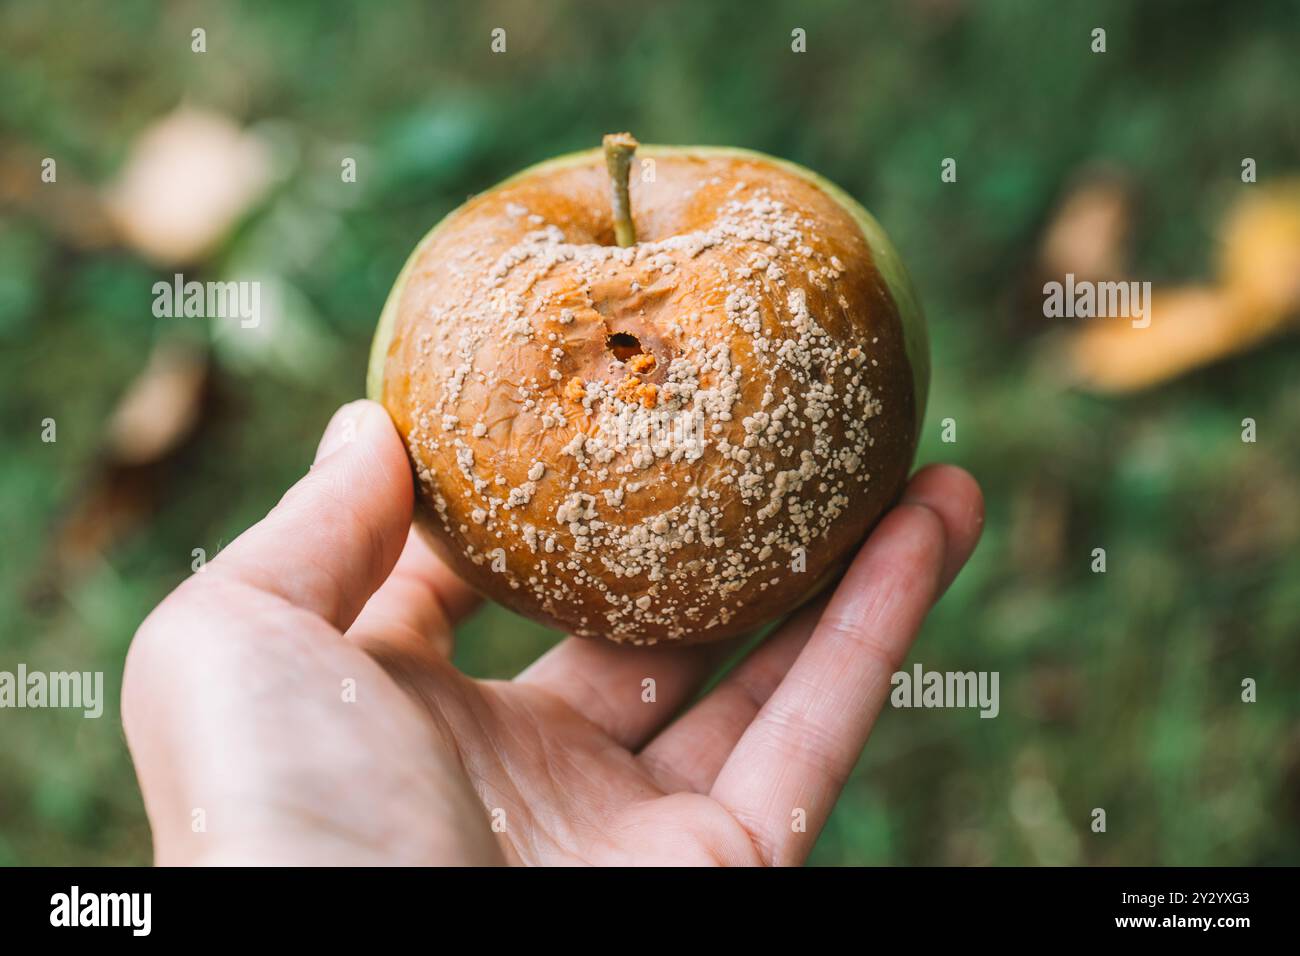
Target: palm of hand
[558,788]
[298,700]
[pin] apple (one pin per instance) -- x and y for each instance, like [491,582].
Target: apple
[668,409]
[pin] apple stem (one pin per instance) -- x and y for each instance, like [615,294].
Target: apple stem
[619,148]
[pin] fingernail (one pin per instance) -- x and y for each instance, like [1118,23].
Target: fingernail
[341,431]
[911,498]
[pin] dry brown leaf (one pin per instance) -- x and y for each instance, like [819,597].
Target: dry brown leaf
[160,408]
[1088,235]
[1260,254]
[1192,326]
[1189,327]
[189,179]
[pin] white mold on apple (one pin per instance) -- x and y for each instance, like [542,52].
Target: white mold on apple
[663,410]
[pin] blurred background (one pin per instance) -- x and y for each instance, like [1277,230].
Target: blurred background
[1120,690]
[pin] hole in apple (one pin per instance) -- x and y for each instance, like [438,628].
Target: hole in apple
[624,345]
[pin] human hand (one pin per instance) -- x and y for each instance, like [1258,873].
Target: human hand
[237,708]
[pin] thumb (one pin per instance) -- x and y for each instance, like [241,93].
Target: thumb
[336,534]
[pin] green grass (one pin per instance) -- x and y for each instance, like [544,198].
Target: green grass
[1119,690]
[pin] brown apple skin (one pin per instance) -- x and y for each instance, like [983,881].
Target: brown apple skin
[515,296]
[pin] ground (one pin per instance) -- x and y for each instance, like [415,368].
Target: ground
[1120,690]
